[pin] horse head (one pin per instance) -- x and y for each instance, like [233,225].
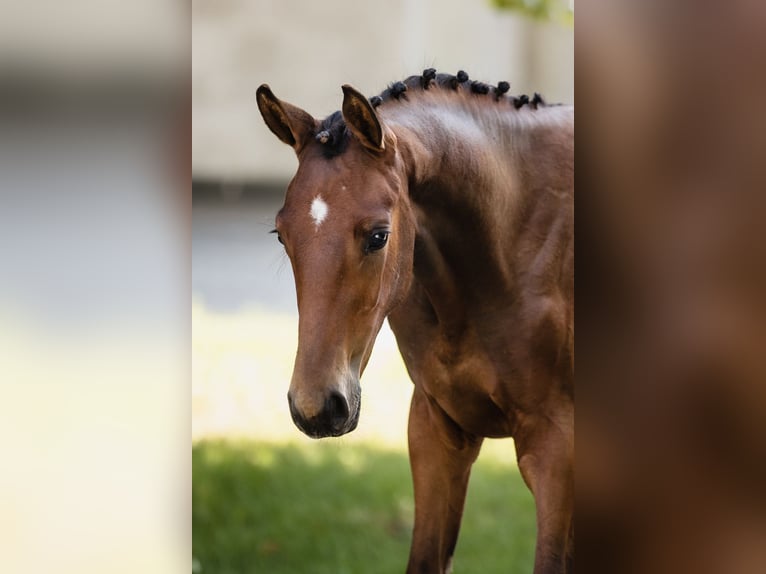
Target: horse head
[349,232]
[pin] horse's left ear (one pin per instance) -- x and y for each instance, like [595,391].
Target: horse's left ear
[362,120]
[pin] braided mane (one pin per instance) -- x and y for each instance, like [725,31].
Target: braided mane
[334,136]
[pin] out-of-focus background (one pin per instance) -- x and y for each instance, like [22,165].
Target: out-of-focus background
[265,497]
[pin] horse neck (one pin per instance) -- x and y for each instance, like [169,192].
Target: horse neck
[442,145]
[472,170]
[475,152]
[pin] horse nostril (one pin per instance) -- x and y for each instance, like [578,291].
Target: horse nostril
[336,408]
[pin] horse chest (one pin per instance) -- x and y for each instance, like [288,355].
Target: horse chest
[462,380]
[483,377]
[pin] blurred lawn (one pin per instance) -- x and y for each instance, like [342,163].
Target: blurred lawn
[329,508]
[267,499]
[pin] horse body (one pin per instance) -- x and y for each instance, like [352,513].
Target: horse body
[474,196]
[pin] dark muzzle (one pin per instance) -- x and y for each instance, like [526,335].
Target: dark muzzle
[335,418]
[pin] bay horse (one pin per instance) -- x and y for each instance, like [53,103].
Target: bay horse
[446,205]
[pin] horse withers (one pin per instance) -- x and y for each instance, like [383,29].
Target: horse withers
[445,205]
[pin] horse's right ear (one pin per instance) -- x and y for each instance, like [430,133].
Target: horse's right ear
[289,123]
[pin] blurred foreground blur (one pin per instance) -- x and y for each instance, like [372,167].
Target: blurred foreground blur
[93,287]
[671,403]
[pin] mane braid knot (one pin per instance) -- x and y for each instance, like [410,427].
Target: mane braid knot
[520,101]
[398,89]
[323,137]
[501,89]
[428,76]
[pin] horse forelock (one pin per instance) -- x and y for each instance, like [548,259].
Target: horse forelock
[333,135]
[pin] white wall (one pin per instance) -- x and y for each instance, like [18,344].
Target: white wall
[305,50]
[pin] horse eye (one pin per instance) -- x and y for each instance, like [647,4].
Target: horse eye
[279,237]
[376,240]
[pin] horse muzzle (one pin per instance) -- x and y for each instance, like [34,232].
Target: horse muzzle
[338,415]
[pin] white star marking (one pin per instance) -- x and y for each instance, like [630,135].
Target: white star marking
[319,210]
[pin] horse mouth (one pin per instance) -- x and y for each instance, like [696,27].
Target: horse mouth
[316,431]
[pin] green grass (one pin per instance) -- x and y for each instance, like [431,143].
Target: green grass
[334,508]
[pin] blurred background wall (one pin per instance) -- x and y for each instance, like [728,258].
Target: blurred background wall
[306,50]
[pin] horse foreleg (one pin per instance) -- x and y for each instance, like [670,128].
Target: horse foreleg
[441,455]
[546,460]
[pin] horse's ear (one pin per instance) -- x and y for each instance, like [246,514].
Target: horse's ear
[362,120]
[289,123]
